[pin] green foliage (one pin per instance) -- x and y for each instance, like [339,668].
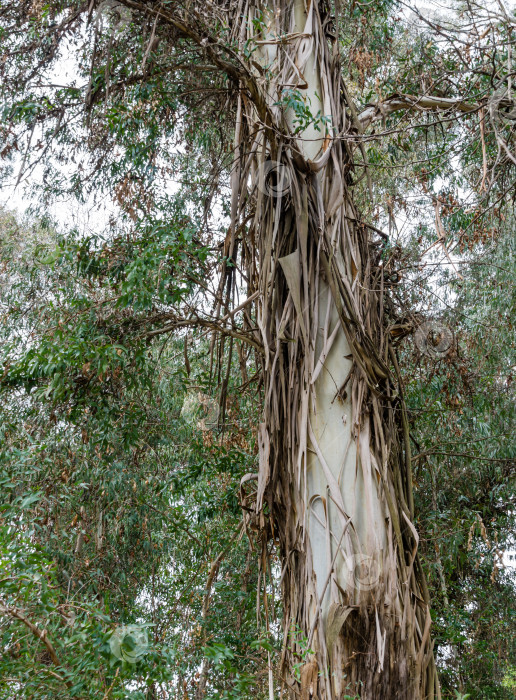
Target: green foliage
[292,99]
[114,500]
[112,506]
[462,411]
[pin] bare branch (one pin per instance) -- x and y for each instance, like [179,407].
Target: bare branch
[414,103]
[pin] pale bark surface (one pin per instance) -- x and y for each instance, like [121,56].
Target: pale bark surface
[334,476]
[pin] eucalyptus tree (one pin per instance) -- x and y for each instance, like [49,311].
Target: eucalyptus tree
[115,508]
[255,95]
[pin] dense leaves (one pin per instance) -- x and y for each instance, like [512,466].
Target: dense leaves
[114,503]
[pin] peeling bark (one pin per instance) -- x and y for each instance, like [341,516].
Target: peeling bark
[333,475]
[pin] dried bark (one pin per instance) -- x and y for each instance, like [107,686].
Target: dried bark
[334,482]
[334,476]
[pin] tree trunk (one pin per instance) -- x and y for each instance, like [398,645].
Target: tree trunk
[334,483]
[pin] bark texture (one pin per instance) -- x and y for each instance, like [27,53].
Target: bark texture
[334,483]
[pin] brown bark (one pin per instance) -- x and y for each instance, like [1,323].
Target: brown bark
[334,482]
[339,499]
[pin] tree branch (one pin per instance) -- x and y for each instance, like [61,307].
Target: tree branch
[213,325]
[36,631]
[461,454]
[413,103]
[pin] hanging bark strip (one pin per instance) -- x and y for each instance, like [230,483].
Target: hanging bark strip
[334,472]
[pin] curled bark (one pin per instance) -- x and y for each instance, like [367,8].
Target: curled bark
[334,474]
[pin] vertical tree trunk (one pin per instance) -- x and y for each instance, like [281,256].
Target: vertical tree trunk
[334,476]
